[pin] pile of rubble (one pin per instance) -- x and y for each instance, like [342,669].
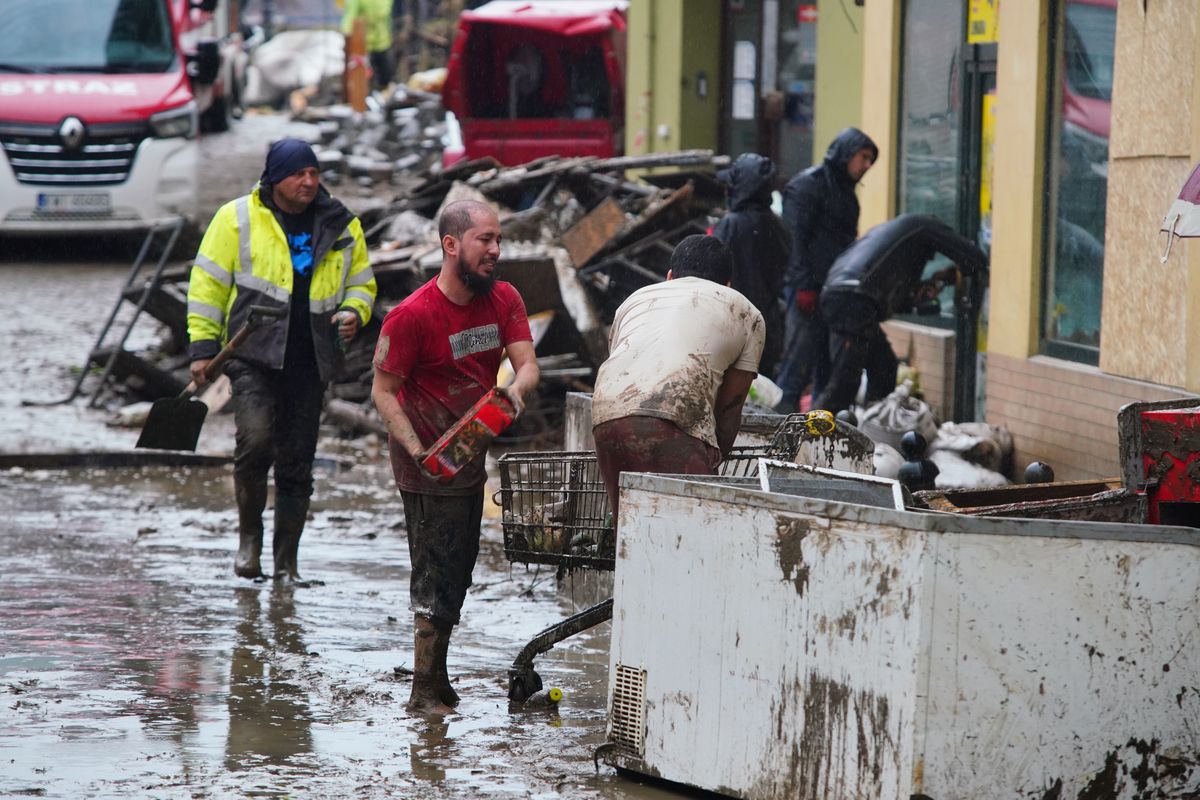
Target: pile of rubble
[398,135]
[580,235]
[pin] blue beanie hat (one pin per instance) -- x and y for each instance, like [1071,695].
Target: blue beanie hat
[287,157]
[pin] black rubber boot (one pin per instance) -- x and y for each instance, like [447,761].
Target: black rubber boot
[441,646]
[426,697]
[251,500]
[290,515]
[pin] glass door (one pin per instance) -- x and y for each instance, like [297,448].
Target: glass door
[975,222]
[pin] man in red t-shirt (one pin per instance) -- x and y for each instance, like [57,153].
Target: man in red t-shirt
[438,353]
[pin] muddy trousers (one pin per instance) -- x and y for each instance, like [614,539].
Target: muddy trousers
[278,415]
[648,444]
[443,545]
[851,353]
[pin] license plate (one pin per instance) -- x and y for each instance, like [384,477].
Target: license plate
[76,203]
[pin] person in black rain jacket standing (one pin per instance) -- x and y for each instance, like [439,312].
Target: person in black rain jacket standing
[821,211]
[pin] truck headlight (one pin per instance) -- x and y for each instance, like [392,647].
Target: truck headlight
[181,121]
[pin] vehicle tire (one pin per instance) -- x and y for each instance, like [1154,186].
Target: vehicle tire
[218,117]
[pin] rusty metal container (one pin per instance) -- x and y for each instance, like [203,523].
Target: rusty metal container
[1094,501]
[816,641]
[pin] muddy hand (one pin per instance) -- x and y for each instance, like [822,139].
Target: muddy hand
[198,375]
[517,403]
[347,326]
[419,458]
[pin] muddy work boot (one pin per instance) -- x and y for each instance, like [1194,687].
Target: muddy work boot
[290,515]
[250,503]
[441,646]
[426,697]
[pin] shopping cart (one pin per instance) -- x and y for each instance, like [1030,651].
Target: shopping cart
[554,511]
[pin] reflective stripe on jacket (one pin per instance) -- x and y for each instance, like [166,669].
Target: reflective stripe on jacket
[244,261]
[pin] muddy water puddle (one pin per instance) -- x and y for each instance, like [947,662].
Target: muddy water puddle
[133,663]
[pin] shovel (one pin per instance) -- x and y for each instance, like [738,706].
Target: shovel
[174,422]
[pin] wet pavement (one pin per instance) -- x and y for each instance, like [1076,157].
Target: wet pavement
[134,663]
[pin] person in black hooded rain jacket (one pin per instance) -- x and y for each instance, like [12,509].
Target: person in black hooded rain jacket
[821,211]
[878,276]
[760,245]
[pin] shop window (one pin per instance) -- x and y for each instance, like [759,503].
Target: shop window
[931,121]
[1077,181]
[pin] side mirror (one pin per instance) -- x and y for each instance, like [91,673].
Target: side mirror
[204,66]
[207,6]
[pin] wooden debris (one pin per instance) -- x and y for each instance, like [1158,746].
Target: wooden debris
[592,233]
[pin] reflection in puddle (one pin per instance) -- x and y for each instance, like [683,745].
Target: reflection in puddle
[269,718]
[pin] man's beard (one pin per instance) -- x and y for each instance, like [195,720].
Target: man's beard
[476,284]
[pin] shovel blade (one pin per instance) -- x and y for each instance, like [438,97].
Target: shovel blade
[173,424]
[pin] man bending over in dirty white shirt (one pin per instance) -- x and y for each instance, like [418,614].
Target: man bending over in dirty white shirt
[683,354]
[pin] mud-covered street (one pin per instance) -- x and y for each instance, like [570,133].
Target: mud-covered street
[133,663]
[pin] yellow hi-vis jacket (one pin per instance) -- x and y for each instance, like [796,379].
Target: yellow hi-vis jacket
[244,261]
[378,17]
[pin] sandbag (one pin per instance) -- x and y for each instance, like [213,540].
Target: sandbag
[955,472]
[897,414]
[989,446]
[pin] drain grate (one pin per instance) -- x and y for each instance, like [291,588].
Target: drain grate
[628,717]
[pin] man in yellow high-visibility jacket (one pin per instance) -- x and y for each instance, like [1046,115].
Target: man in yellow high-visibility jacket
[378,17]
[288,245]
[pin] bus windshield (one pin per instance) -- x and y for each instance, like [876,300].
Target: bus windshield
[54,36]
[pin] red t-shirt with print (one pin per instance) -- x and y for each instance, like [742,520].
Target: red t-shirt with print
[449,356]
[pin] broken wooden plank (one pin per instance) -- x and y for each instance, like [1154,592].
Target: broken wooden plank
[661,214]
[516,177]
[638,269]
[355,417]
[380,257]
[592,234]
[709,191]
[680,158]
[580,308]
[166,304]
[609,182]
[137,373]
[464,169]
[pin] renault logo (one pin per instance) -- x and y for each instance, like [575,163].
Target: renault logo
[71,132]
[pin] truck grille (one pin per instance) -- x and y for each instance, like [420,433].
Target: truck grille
[40,156]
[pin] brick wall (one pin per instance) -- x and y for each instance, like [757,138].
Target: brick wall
[1063,413]
[931,352]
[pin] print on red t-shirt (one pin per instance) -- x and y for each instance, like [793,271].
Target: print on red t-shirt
[449,355]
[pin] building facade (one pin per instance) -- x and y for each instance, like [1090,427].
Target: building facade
[1055,133]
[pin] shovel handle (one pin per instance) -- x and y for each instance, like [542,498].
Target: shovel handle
[213,368]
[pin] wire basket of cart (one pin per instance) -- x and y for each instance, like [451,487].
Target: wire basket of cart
[555,511]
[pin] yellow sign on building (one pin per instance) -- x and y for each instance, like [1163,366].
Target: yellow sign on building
[982,21]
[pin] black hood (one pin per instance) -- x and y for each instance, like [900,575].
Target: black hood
[749,180]
[845,145]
